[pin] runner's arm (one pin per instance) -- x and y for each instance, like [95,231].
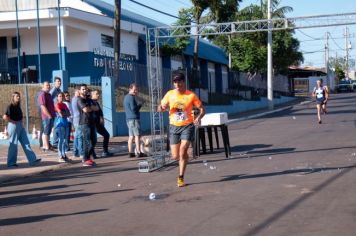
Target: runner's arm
[200,116]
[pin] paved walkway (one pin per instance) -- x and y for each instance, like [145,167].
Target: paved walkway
[118,146]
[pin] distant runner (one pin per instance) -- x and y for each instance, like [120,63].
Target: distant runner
[322,94]
[180,102]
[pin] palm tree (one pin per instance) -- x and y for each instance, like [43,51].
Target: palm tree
[277,12]
[199,6]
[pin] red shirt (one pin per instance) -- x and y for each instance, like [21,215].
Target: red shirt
[62,109]
[45,99]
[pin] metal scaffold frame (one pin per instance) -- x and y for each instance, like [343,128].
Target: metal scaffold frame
[154,35]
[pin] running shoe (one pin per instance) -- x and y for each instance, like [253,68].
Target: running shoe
[35,162]
[61,160]
[180,182]
[88,163]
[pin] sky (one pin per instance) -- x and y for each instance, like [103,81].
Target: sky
[312,41]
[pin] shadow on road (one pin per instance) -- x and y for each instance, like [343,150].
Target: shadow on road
[294,204]
[31,219]
[48,197]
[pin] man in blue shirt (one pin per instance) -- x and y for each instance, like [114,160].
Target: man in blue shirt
[77,144]
[132,112]
[54,92]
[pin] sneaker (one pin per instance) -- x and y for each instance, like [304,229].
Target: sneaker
[61,160]
[88,163]
[106,154]
[131,155]
[180,182]
[35,162]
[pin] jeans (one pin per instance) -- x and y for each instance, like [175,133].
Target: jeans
[94,140]
[18,134]
[77,143]
[84,138]
[69,130]
[62,134]
[103,132]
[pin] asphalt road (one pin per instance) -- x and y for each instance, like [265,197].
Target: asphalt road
[287,175]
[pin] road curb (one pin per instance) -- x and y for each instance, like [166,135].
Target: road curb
[30,172]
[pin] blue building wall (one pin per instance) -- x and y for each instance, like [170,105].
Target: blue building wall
[204,78]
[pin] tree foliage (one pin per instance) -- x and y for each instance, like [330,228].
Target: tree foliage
[249,50]
[176,46]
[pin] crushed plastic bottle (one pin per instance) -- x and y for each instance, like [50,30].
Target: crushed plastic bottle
[270,158]
[152,196]
[205,162]
[294,118]
[212,167]
[119,185]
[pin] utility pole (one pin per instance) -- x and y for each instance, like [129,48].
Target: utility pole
[347,52]
[38,42]
[117,39]
[269,58]
[18,44]
[327,58]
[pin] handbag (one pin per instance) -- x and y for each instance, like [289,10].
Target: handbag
[60,121]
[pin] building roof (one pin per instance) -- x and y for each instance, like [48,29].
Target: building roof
[304,72]
[207,50]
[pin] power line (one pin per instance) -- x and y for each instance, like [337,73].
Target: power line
[153,9]
[322,50]
[307,35]
[337,45]
[184,3]
[318,39]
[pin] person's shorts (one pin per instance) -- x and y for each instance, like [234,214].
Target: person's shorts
[134,127]
[47,125]
[179,133]
[321,101]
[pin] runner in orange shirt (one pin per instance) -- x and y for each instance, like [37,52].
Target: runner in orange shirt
[180,102]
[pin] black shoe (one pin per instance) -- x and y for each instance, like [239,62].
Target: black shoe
[131,155]
[66,158]
[106,154]
[141,155]
[319,122]
[13,166]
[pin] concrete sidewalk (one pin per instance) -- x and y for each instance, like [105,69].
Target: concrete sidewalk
[118,146]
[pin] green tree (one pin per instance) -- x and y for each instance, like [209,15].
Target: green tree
[177,45]
[249,50]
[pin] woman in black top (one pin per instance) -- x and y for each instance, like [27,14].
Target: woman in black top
[17,133]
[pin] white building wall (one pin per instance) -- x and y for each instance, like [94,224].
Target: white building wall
[28,42]
[77,40]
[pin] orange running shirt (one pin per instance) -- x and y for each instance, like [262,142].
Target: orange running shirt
[180,106]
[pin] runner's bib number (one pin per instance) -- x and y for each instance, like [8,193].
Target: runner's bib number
[180,116]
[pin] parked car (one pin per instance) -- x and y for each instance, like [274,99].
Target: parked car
[353,82]
[344,86]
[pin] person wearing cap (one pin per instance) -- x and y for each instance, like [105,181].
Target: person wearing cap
[180,102]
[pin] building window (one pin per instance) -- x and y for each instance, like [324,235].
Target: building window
[107,41]
[14,42]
